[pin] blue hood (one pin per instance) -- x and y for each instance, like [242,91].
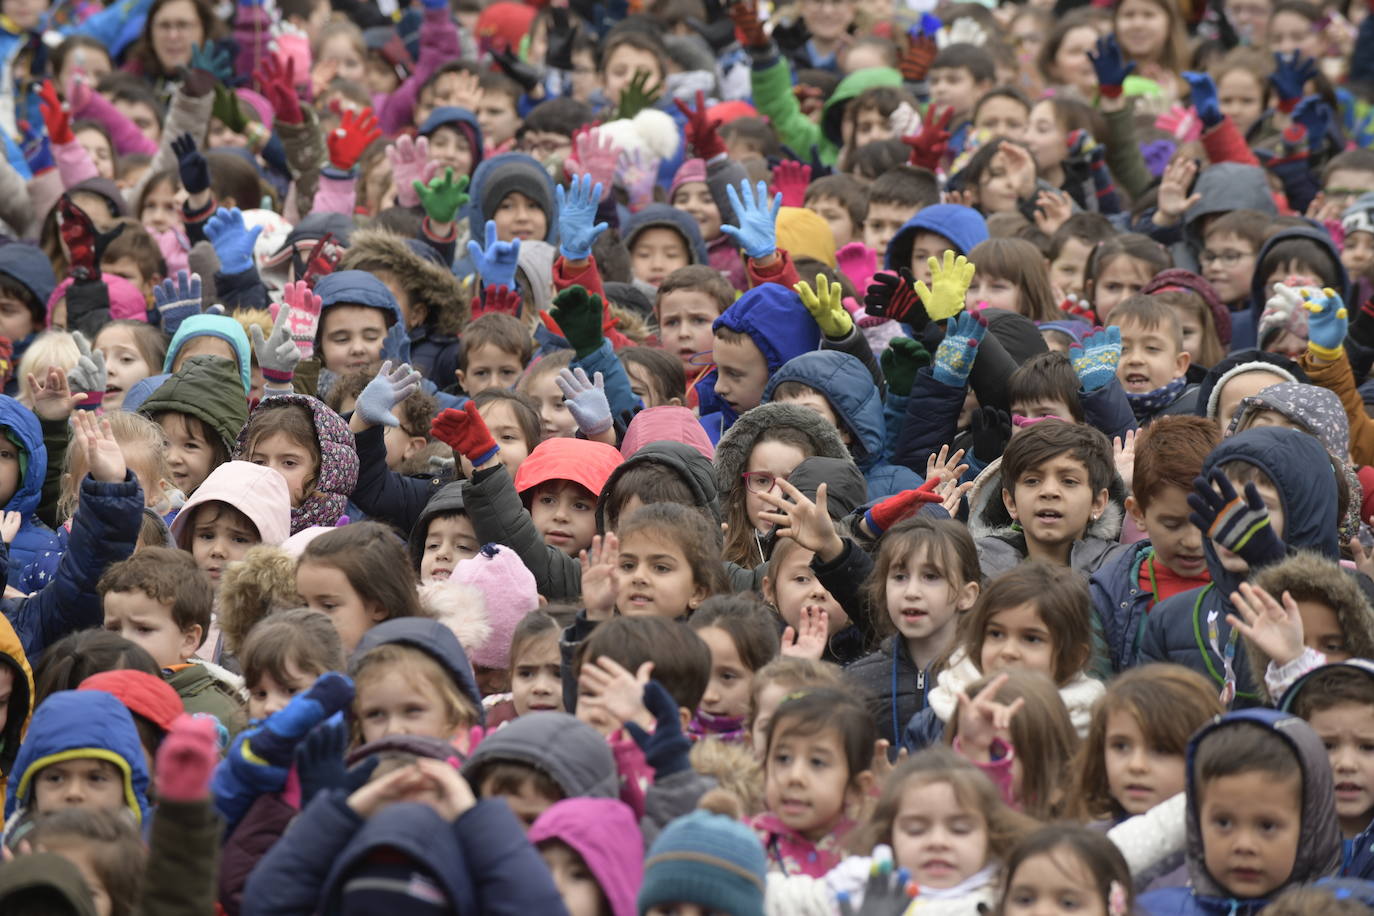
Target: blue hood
[662,216]
[221,326]
[28,266]
[963,226]
[23,425]
[1257,282]
[498,176]
[775,319]
[73,724]
[432,638]
[461,120]
[849,388]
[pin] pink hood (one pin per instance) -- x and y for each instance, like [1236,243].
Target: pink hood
[676,424]
[256,490]
[125,299]
[604,833]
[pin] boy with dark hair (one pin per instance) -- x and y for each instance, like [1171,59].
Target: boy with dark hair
[498,112]
[1230,246]
[26,283]
[134,255]
[749,138]
[1133,578]
[1045,387]
[840,201]
[1295,256]
[1348,175]
[688,302]
[492,353]
[546,132]
[958,77]
[1070,247]
[894,199]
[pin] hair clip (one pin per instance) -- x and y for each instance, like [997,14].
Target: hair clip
[1116,899]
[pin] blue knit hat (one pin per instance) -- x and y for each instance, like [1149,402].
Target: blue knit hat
[707,859]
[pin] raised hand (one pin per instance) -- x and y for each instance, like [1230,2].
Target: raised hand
[748,28]
[586,400]
[94,440]
[1111,66]
[1326,323]
[496,265]
[497,299]
[1123,456]
[52,398]
[1053,208]
[1312,120]
[596,156]
[638,175]
[396,343]
[637,96]
[177,300]
[930,145]
[1238,524]
[790,179]
[54,115]
[948,286]
[797,517]
[515,68]
[579,316]
[858,262]
[616,689]
[89,373]
[1095,359]
[1204,93]
[232,239]
[388,388]
[757,232]
[599,575]
[887,892]
[409,164]
[443,197]
[10,524]
[466,433]
[577,226]
[1173,199]
[214,59]
[983,720]
[893,295]
[901,361]
[227,108]
[191,165]
[354,134]
[278,83]
[277,353]
[303,319]
[809,637]
[956,353]
[825,302]
[920,52]
[899,506]
[1290,75]
[1275,628]
[990,430]
[667,749]
[702,138]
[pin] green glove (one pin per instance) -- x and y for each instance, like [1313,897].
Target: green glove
[227,109]
[636,97]
[902,359]
[578,314]
[443,197]
[825,303]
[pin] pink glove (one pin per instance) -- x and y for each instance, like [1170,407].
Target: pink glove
[790,179]
[186,759]
[303,317]
[858,262]
[408,159]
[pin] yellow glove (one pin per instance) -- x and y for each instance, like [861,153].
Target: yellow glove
[950,285]
[825,305]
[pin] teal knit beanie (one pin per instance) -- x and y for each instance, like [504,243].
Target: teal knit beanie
[707,859]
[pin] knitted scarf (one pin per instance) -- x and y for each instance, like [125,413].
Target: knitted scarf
[1148,403]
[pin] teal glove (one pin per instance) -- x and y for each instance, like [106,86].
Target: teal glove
[1094,360]
[956,353]
[902,359]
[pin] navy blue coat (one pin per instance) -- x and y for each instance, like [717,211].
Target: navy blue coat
[17,422]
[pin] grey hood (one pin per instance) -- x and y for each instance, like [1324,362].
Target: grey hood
[566,749]
[684,460]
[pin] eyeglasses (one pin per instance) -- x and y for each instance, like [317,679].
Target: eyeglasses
[760,481]
[1227,258]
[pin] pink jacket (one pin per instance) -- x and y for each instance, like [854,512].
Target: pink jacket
[793,854]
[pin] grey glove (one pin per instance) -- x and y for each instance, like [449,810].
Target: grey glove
[89,373]
[277,354]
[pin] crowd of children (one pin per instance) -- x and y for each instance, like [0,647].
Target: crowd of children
[687,458]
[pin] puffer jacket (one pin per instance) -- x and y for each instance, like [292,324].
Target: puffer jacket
[20,705]
[21,427]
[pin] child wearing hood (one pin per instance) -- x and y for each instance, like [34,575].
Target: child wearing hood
[200,410]
[26,283]
[211,335]
[1261,815]
[311,447]
[23,465]
[16,683]
[595,853]
[359,320]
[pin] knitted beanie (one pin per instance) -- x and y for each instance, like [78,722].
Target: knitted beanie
[126,302]
[707,859]
[510,592]
[691,170]
[1359,216]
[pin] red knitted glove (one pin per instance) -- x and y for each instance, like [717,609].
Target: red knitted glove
[354,134]
[466,433]
[748,29]
[791,178]
[895,508]
[929,146]
[278,83]
[497,299]
[186,759]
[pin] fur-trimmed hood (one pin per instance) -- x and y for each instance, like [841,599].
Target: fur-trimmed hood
[732,453]
[425,280]
[262,582]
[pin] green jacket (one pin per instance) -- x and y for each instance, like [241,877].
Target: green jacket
[207,388]
[772,86]
[202,692]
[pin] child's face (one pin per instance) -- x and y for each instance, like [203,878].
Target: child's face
[1344,185]
[921,601]
[142,117]
[741,372]
[1055,502]
[1017,638]
[98,148]
[1347,730]
[289,458]
[807,780]
[776,458]
[450,538]
[564,513]
[16,321]
[797,588]
[84,782]
[124,363]
[1251,823]
[497,117]
[1150,358]
[339,52]
[654,579]
[9,469]
[161,208]
[827,21]
[1003,117]
[1072,65]
[620,68]
[1177,542]
[127,267]
[1228,262]
[189,453]
[1066,271]
[694,198]
[1122,278]
[816,402]
[490,367]
[1240,96]
[998,191]
[1190,328]
[219,537]
[519,217]
[575,882]
[1053,882]
[994,292]
[956,87]
[1290,31]
[326,589]
[1044,407]
[727,694]
[937,838]
[1322,630]
[527,804]
[657,252]
[645,386]
[142,619]
[394,704]
[684,319]
[870,126]
[25,13]
[1139,776]
[1142,28]
[1045,137]
[554,417]
[1230,561]
[351,338]
[881,224]
[268,695]
[1358,256]
[509,434]
[836,216]
[449,148]
[927,245]
[1237,389]
[536,683]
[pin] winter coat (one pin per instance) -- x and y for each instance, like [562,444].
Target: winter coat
[203,388]
[1338,378]
[1245,325]
[793,854]
[257,491]
[20,706]
[1177,630]
[324,503]
[684,461]
[183,854]
[1319,843]
[779,325]
[482,861]
[204,694]
[772,90]
[603,832]
[432,638]
[21,427]
[893,687]
[1120,605]
[1238,362]
[383,494]
[562,747]
[849,389]
[226,329]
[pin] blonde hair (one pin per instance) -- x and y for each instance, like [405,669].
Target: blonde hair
[51,348]
[420,669]
[248,318]
[793,674]
[132,431]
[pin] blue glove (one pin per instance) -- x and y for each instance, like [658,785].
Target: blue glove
[389,388]
[396,346]
[956,353]
[1112,68]
[1315,116]
[320,760]
[38,152]
[275,741]
[496,265]
[576,213]
[191,165]
[1290,75]
[1327,320]
[757,232]
[1094,360]
[931,24]
[586,400]
[435,4]
[232,239]
[1204,97]
[667,749]
[177,301]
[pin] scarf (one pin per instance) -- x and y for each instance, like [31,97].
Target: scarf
[727,728]
[1149,403]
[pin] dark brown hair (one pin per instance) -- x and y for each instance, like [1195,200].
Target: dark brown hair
[1061,601]
[664,370]
[1034,445]
[740,544]
[298,638]
[682,661]
[291,420]
[533,626]
[1047,376]
[700,278]
[1098,854]
[1241,747]
[135,242]
[1130,245]
[374,561]
[749,623]
[687,530]
[112,846]
[1018,261]
[524,409]
[811,712]
[947,546]
[76,656]
[504,332]
[165,575]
